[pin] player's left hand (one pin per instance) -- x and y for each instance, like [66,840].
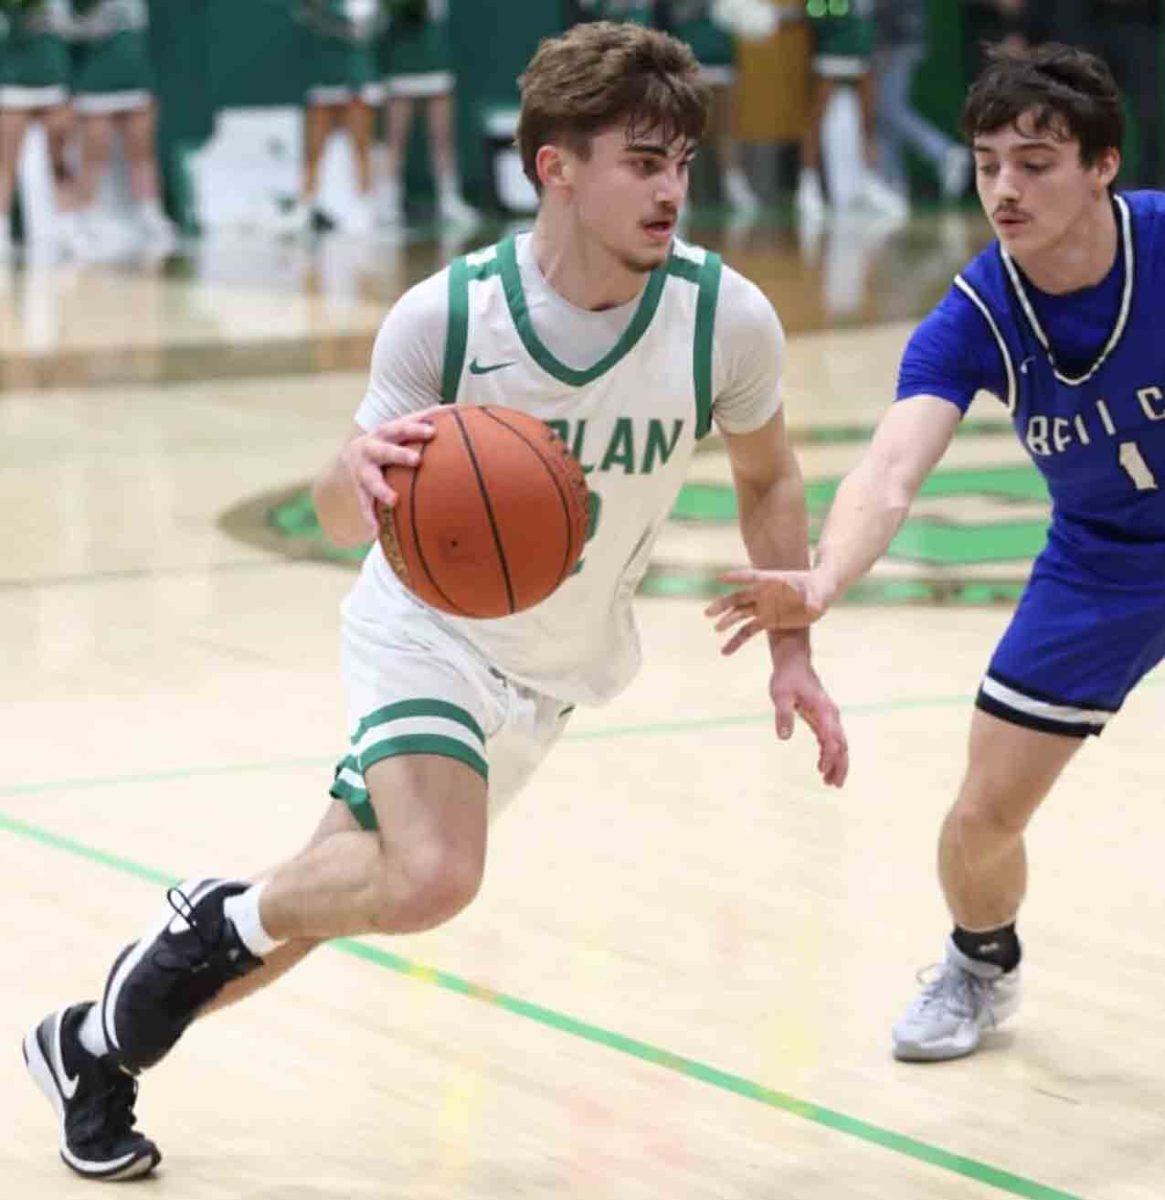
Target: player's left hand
[797,692]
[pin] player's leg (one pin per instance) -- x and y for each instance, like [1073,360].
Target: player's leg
[420,867]
[981,858]
[1074,649]
[451,205]
[139,131]
[319,120]
[337,819]
[876,192]
[97,133]
[360,117]
[97,1135]
[13,124]
[982,867]
[60,125]
[398,124]
[810,196]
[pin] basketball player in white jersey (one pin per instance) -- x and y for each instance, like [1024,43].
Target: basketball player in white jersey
[632,345]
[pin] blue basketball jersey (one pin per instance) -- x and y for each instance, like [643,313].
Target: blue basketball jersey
[1083,377]
[1095,427]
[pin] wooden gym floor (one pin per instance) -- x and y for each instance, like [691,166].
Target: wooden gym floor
[679,979]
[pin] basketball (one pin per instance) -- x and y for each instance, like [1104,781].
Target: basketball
[494,517]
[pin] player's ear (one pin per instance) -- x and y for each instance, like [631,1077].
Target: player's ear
[1107,166]
[554,167]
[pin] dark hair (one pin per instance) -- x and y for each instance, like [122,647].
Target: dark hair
[602,74]
[1068,92]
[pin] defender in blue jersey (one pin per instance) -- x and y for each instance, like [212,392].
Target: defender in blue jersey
[1059,318]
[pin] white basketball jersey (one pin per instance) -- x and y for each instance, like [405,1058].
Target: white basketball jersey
[632,420]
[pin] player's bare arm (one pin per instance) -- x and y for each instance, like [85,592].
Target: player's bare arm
[347,489]
[771,500]
[868,510]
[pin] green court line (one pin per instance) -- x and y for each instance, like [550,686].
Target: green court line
[738,1085]
[654,729]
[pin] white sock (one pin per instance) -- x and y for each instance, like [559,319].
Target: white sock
[243,911]
[92,1032]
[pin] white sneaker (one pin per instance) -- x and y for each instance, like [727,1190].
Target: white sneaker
[810,199]
[451,207]
[948,1017]
[878,195]
[955,173]
[85,232]
[390,204]
[157,231]
[359,218]
[739,194]
[293,221]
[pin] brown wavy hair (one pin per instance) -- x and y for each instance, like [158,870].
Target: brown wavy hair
[1066,89]
[603,74]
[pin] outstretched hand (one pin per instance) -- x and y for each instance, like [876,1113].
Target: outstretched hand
[768,602]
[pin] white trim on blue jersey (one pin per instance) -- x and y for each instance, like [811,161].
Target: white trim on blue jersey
[1008,365]
[1126,232]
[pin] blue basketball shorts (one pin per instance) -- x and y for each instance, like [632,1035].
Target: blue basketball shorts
[1075,648]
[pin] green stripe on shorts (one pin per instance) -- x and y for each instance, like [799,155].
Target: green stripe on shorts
[418,708]
[424,743]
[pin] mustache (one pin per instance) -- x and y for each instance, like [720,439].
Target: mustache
[668,213]
[1008,210]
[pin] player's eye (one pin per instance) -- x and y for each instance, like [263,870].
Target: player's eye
[987,167]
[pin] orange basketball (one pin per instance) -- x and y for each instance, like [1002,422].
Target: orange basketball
[493,519]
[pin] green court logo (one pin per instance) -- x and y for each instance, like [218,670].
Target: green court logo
[970,539]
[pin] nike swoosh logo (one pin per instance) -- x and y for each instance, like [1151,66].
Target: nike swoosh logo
[68,1082]
[475,368]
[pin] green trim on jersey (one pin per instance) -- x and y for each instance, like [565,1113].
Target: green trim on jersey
[684,268]
[457,330]
[461,273]
[705,329]
[516,300]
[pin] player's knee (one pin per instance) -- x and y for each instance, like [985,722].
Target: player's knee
[432,882]
[991,815]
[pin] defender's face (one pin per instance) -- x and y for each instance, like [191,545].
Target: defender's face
[1033,186]
[628,194]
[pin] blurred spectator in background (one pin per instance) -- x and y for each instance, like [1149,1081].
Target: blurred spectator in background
[34,85]
[843,46]
[1127,35]
[900,44]
[709,28]
[343,93]
[419,66]
[113,83]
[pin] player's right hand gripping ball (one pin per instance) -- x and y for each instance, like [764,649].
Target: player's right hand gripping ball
[493,519]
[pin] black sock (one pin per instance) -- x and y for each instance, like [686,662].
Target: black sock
[999,946]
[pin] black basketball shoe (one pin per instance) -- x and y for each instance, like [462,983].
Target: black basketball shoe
[158,984]
[93,1099]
